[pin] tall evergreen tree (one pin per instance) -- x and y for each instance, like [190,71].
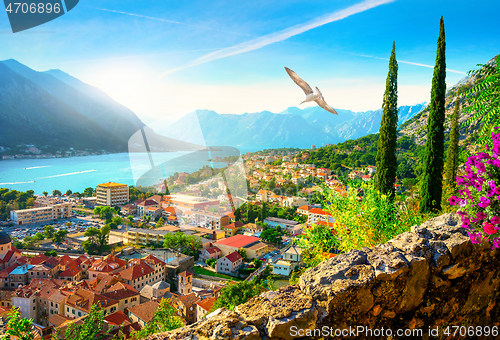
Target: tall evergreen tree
[450,169]
[237,214]
[386,148]
[432,179]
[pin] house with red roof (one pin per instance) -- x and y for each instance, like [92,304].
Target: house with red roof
[80,302]
[109,264]
[229,263]
[137,275]
[203,307]
[232,229]
[211,253]
[317,214]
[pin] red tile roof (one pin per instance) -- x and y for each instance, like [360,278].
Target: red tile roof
[213,250]
[135,272]
[237,241]
[84,299]
[185,274]
[233,257]
[117,318]
[145,311]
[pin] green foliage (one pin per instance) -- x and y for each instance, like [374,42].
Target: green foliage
[369,220]
[386,150]
[117,220]
[97,240]
[91,328]
[14,200]
[88,192]
[69,192]
[51,253]
[243,254]
[257,263]
[56,193]
[59,236]
[19,328]
[186,244]
[165,319]
[271,235]
[211,262]
[484,99]
[432,179]
[45,193]
[48,231]
[160,223]
[450,169]
[38,237]
[235,294]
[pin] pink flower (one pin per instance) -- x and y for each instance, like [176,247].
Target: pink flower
[453,200]
[481,215]
[495,220]
[475,238]
[485,202]
[496,243]
[489,228]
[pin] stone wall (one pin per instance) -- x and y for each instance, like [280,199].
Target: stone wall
[430,277]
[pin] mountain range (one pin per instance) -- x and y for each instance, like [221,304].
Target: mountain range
[293,127]
[52,108]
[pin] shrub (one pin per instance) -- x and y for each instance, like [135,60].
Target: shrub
[365,218]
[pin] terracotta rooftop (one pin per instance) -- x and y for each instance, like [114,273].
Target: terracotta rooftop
[185,274]
[134,272]
[233,257]
[117,318]
[144,311]
[207,303]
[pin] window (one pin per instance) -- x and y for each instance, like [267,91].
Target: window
[126,301]
[79,313]
[34,300]
[67,310]
[34,308]
[73,311]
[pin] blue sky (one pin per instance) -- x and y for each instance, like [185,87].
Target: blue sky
[166,58]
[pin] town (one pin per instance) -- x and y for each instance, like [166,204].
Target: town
[68,252]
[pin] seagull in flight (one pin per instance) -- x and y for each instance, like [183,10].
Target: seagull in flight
[310,94]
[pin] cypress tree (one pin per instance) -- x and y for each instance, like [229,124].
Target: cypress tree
[237,215]
[386,148]
[432,179]
[451,165]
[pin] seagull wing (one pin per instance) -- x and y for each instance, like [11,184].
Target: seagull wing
[302,84]
[321,102]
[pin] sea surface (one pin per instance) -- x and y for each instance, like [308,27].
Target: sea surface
[78,173]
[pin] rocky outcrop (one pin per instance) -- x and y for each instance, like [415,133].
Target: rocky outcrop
[429,278]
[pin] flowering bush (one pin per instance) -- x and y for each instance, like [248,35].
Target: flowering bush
[479,195]
[365,218]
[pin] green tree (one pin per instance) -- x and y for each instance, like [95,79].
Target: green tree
[432,180]
[160,223]
[165,319]
[386,148]
[19,328]
[237,215]
[48,231]
[59,236]
[484,99]
[38,237]
[117,220]
[243,254]
[56,193]
[450,169]
[45,193]
[130,219]
[69,192]
[88,192]
[235,294]
[91,328]
[97,210]
[51,253]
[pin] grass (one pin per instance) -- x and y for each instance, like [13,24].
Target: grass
[203,271]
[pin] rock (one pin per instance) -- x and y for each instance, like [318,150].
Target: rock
[329,276]
[388,262]
[458,244]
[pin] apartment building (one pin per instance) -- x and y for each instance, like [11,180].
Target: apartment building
[42,214]
[112,194]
